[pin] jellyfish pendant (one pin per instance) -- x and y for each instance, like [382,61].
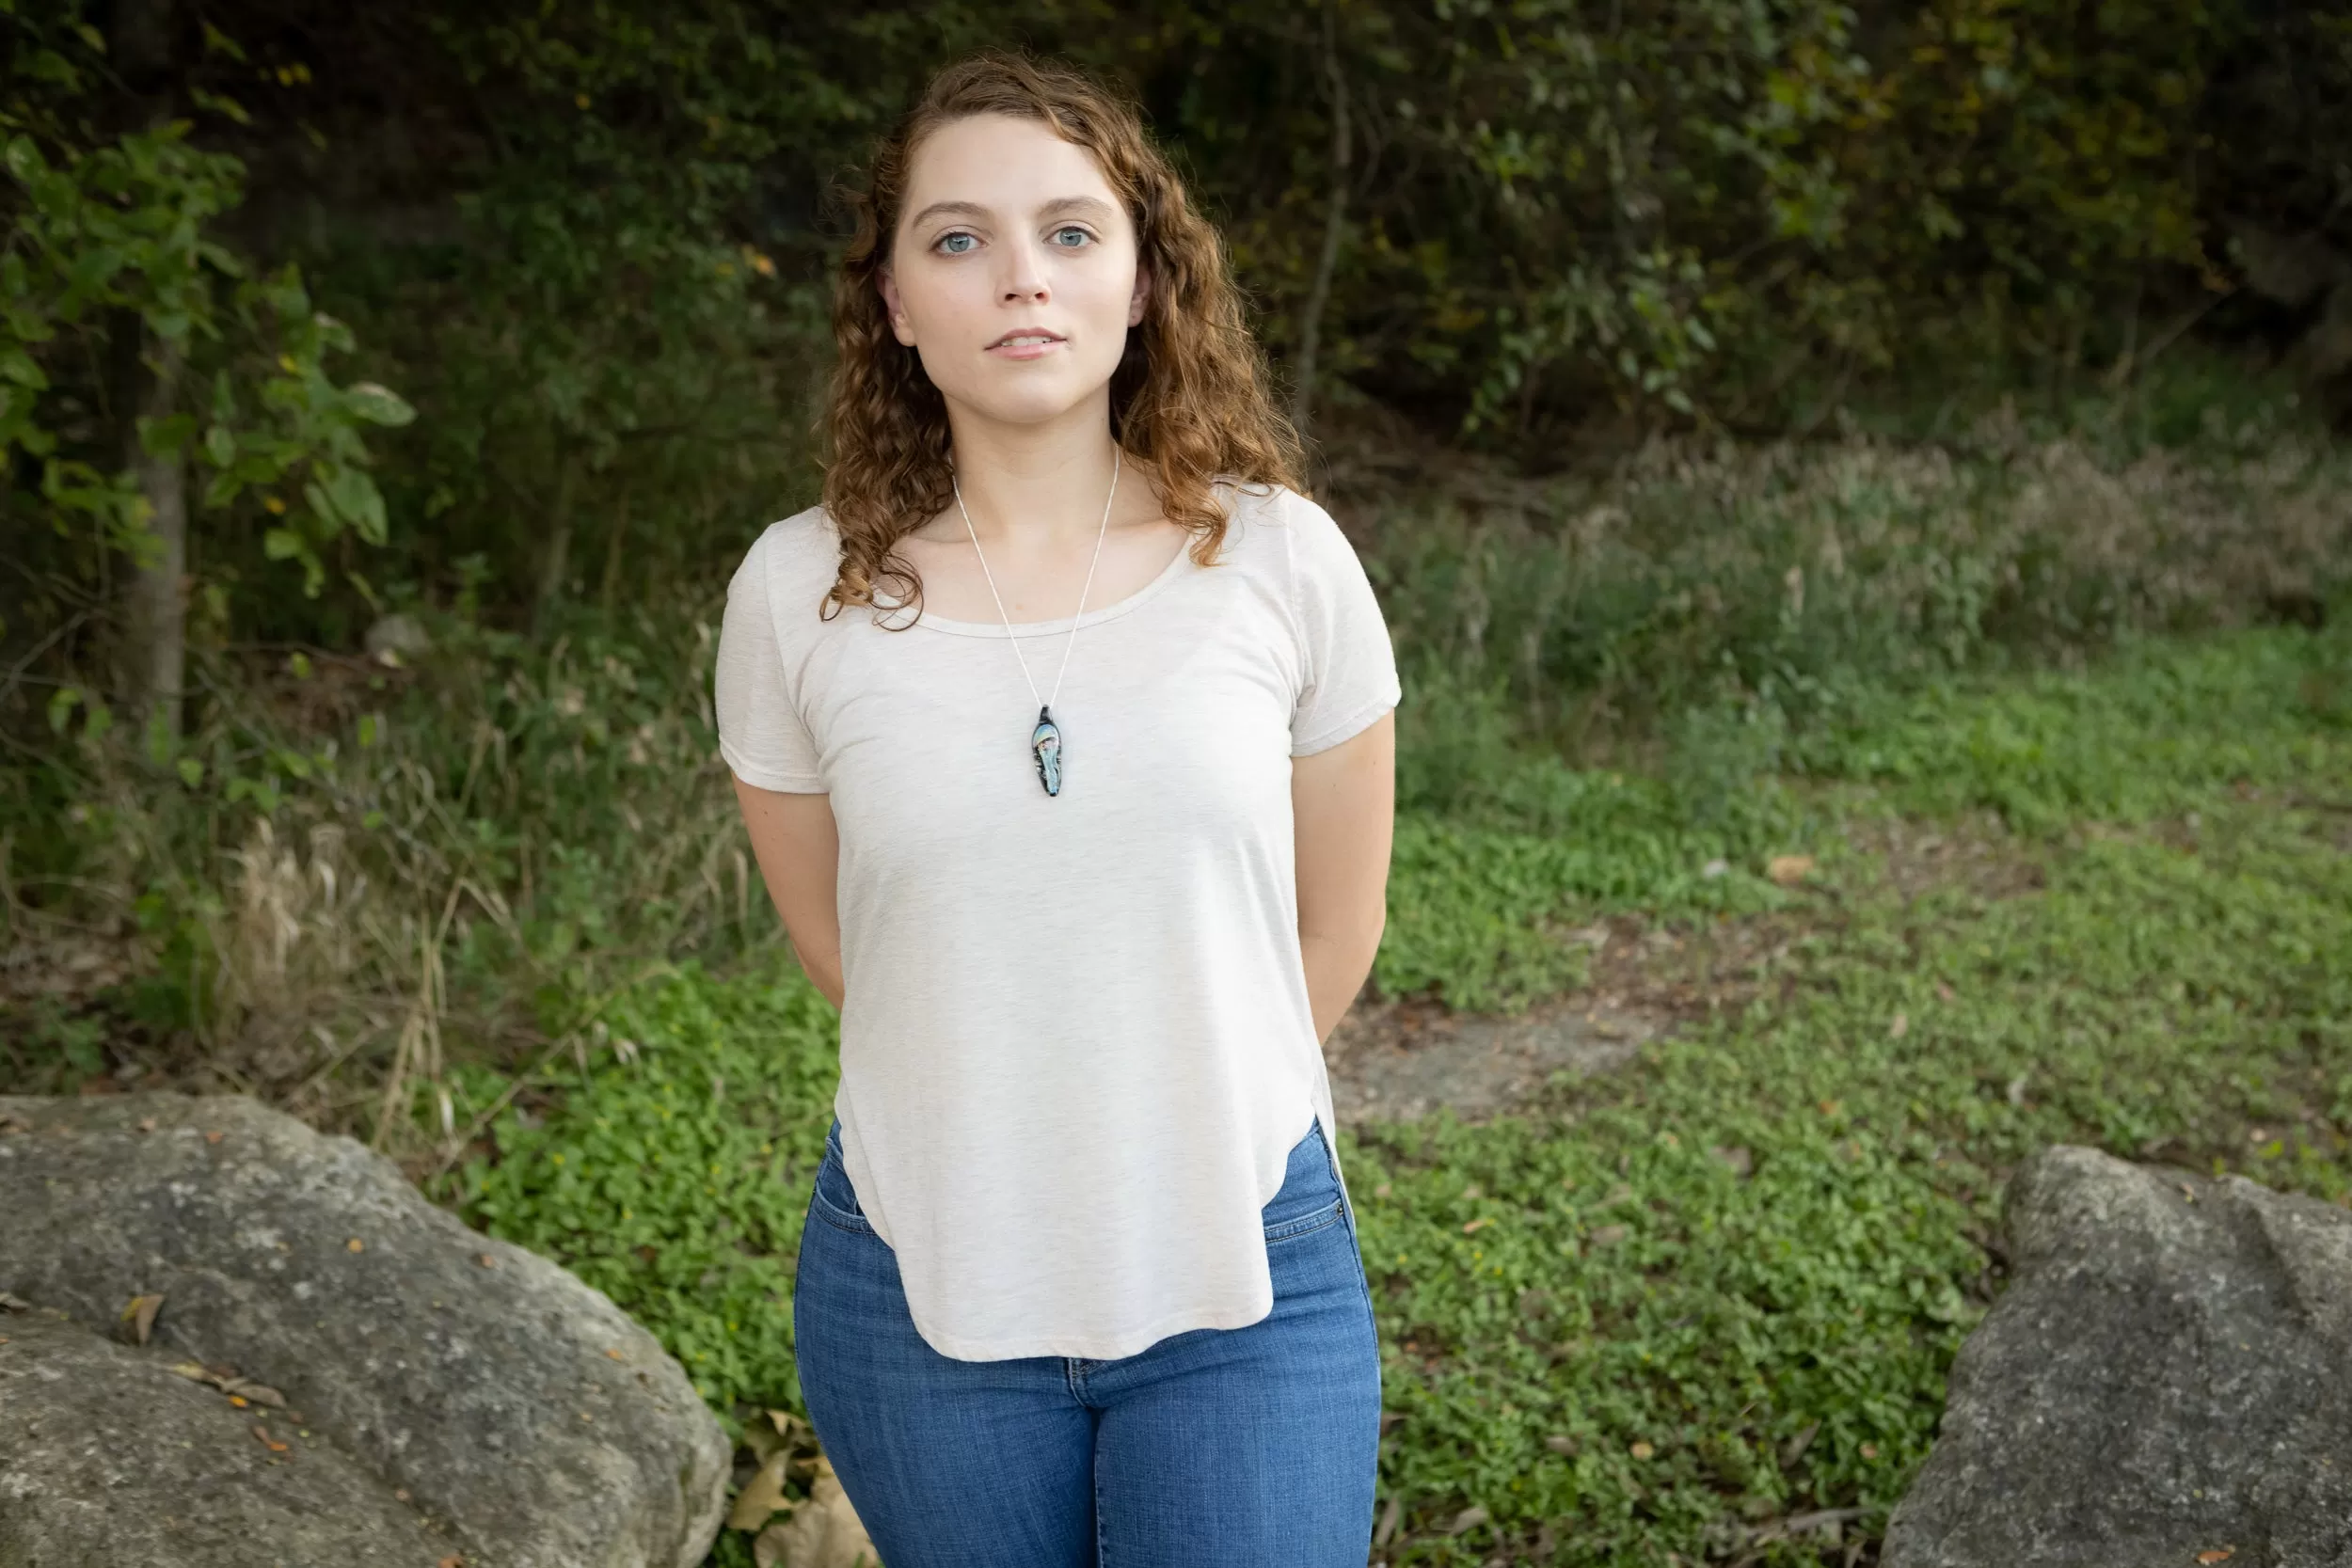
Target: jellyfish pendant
[1045,745]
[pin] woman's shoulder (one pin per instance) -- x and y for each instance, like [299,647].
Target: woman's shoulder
[795,558]
[1274,528]
[796,551]
[805,540]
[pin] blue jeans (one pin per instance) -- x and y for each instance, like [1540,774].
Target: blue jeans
[1235,1446]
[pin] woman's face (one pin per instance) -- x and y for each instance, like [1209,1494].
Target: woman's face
[1013,271]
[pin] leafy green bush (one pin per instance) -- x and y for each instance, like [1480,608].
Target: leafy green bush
[1790,582]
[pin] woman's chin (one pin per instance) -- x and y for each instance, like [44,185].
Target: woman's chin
[1043,401]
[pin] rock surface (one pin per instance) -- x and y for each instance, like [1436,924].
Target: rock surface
[106,1457]
[2169,1373]
[510,1400]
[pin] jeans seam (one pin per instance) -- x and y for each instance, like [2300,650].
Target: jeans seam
[1102,1540]
[1331,1163]
[1363,1283]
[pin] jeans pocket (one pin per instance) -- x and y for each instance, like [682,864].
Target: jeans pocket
[1294,1227]
[834,1200]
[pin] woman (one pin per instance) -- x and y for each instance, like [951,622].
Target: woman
[1063,733]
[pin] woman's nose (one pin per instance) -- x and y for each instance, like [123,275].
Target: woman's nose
[1024,276]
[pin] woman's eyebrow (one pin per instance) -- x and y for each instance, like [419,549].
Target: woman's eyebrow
[947,210]
[1090,205]
[1059,207]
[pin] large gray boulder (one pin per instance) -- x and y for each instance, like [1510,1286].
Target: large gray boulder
[108,1458]
[2168,1374]
[518,1409]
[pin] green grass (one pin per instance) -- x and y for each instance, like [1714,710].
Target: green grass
[1653,1311]
[2152,998]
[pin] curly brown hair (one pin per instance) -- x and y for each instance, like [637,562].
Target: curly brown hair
[1189,399]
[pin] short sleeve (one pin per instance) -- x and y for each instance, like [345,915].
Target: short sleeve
[1350,666]
[761,734]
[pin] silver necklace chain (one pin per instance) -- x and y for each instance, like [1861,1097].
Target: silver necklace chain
[1043,704]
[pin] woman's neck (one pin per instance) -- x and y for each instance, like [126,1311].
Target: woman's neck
[1038,484]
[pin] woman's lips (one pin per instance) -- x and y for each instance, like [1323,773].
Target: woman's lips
[1024,345]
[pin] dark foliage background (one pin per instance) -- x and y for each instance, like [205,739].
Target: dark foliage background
[588,242]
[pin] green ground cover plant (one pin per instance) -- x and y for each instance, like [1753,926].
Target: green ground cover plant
[1653,1317]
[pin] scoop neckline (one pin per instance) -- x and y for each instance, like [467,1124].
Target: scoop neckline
[1167,573]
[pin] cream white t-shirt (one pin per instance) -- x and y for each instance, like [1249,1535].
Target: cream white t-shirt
[1075,1048]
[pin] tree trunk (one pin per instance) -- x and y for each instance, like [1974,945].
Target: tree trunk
[615,551]
[555,564]
[1334,223]
[155,608]
[154,651]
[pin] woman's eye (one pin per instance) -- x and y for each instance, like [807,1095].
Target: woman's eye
[957,245]
[1071,239]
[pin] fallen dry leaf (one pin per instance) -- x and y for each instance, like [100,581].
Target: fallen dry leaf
[241,1391]
[781,1431]
[1794,1448]
[1737,1157]
[453,1560]
[1788,870]
[355,1244]
[13,1303]
[1469,1518]
[1472,1227]
[823,1532]
[1901,1027]
[213,1138]
[147,1124]
[272,1444]
[485,1260]
[762,1497]
[1609,1235]
[2220,1554]
[1641,1450]
[139,1314]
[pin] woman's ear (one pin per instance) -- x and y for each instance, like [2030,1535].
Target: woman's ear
[1143,296]
[888,288]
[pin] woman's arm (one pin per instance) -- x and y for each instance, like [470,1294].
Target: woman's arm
[1344,804]
[800,851]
